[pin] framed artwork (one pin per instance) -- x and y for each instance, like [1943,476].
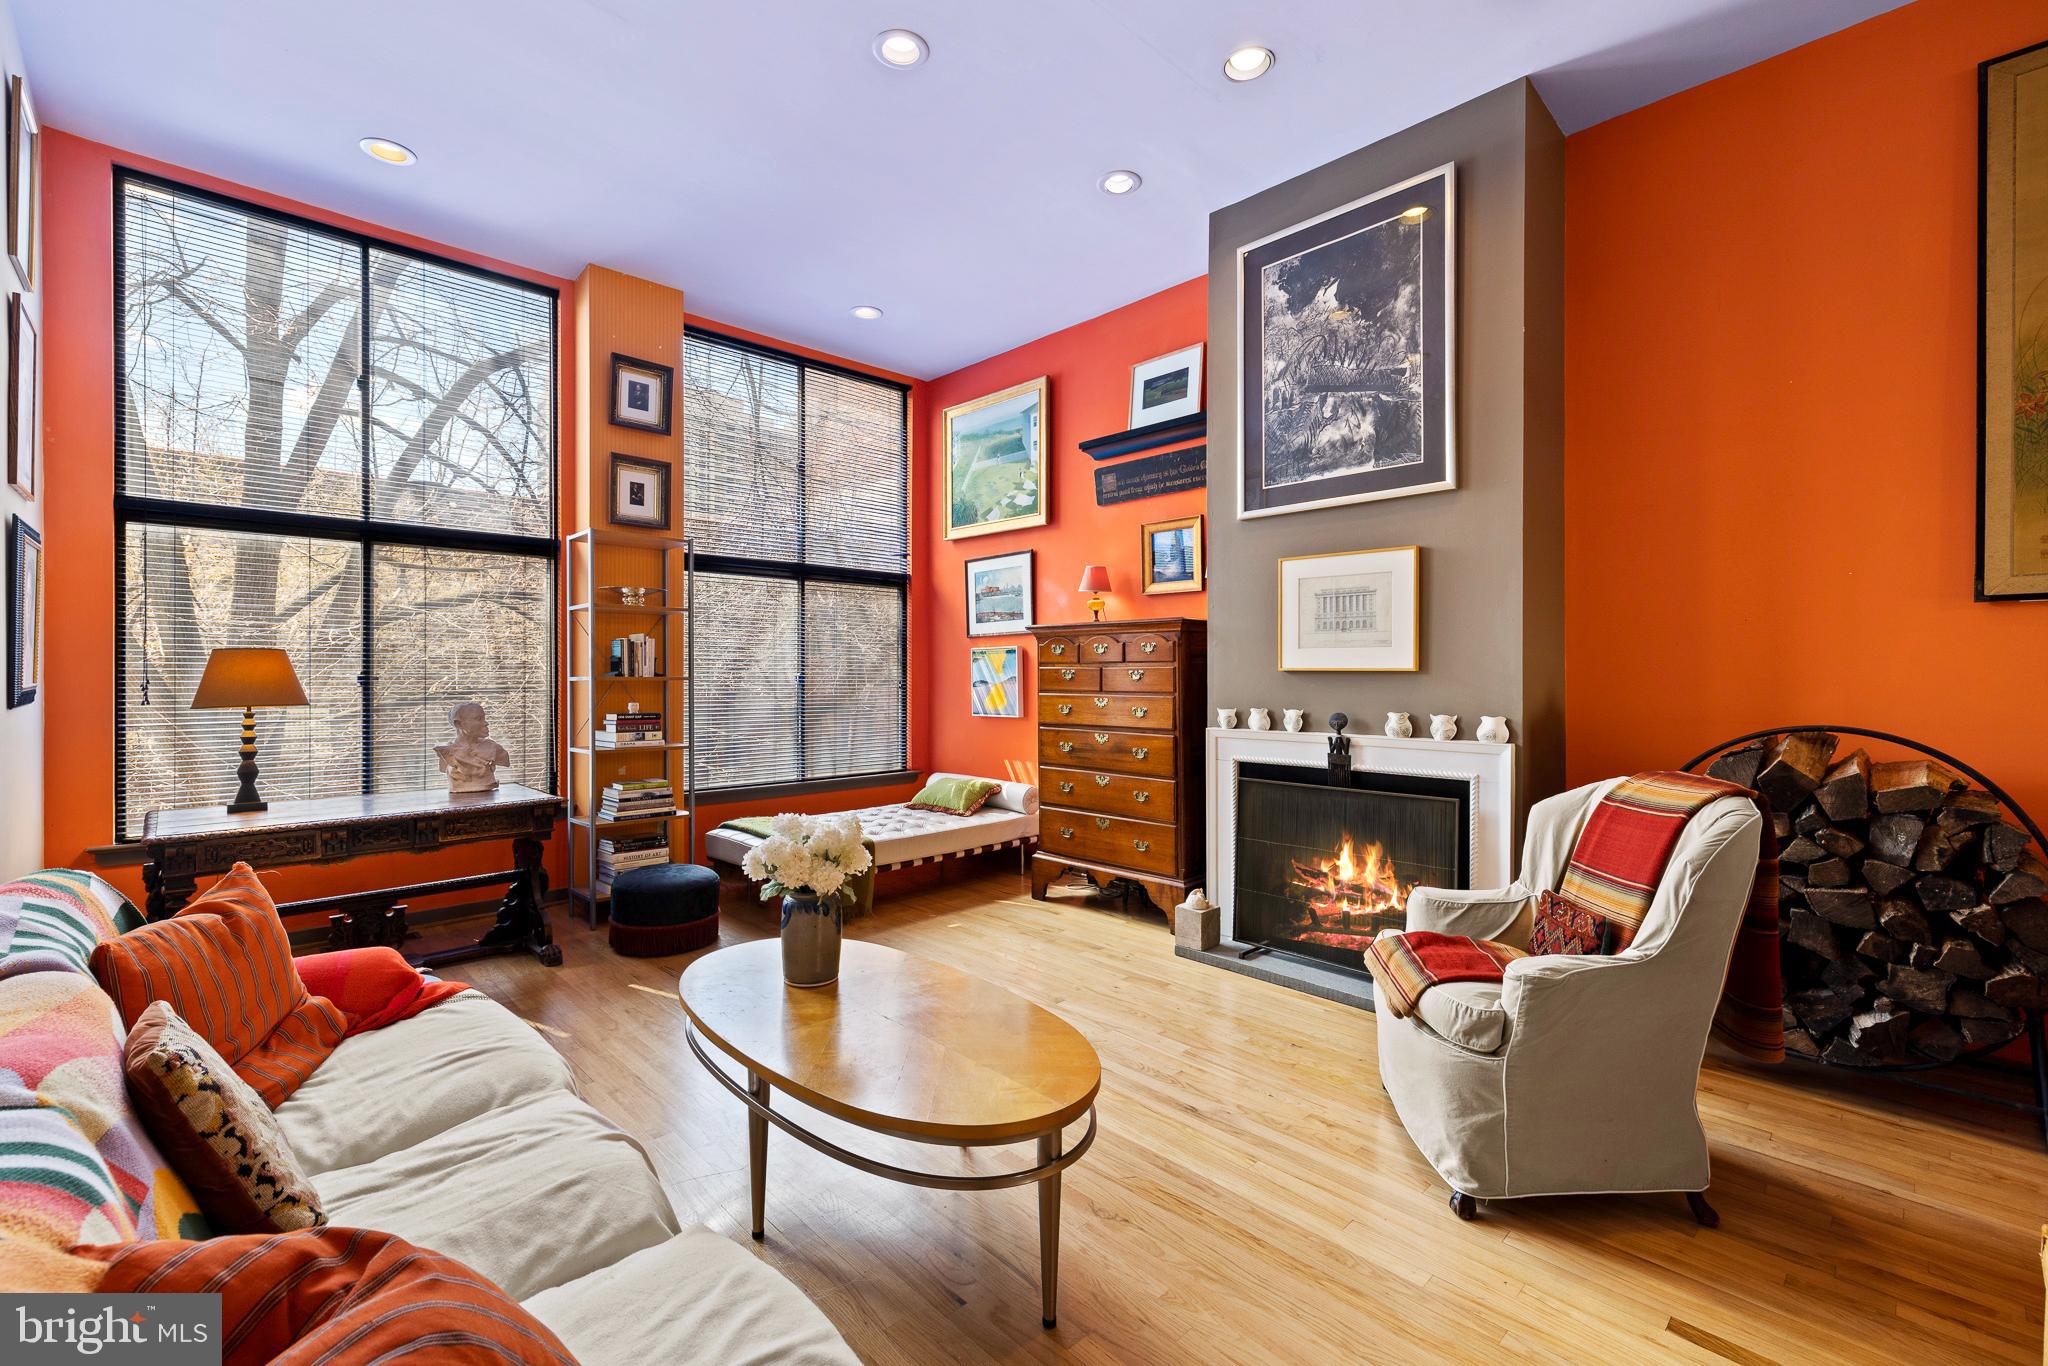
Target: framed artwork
[24,142]
[1346,356]
[1356,611]
[1172,555]
[997,691]
[999,594]
[995,462]
[641,393]
[639,492]
[24,430]
[2012,350]
[24,613]
[1167,387]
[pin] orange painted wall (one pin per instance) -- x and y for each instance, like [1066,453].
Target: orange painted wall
[1089,366]
[1771,424]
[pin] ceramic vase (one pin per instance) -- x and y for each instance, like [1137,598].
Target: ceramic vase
[810,938]
[1399,725]
[1260,719]
[1493,730]
[1226,717]
[1443,727]
[1293,718]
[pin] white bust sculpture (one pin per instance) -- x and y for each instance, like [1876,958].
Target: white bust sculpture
[471,759]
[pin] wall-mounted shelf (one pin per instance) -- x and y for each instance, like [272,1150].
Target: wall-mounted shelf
[1167,433]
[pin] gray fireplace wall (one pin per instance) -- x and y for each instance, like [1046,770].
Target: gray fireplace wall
[1493,548]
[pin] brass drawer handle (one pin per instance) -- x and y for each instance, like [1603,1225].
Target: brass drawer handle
[1067,674]
[1139,751]
[1102,822]
[1101,648]
[1066,746]
[1139,712]
[1102,780]
[1101,737]
[1066,787]
[1142,846]
[1149,646]
[1057,649]
[1066,832]
[1066,709]
[1102,701]
[1141,796]
[1137,675]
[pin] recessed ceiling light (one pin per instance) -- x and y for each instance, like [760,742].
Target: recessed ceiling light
[1120,182]
[389,152]
[1414,214]
[867,313]
[900,47]
[1248,63]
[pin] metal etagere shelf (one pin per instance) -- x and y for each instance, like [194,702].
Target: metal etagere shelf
[620,585]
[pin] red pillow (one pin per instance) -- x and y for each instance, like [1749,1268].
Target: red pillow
[1563,926]
[337,1296]
[224,964]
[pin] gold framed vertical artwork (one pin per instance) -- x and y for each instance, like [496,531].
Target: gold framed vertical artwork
[995,461]
[1170,555]
[2012,351]
[24,423]
[24,173]
[1354,611]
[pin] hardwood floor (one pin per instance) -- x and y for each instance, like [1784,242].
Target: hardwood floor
[1253,1198]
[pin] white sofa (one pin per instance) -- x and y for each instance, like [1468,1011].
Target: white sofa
[461,1130]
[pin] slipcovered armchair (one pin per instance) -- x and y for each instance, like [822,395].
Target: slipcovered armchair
[1574,1075]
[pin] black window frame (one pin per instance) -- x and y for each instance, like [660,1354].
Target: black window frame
[367,533]
[803,574]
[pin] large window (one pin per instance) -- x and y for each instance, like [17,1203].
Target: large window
[336,447]
[796,494]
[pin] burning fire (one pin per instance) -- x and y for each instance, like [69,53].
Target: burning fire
[1356,885]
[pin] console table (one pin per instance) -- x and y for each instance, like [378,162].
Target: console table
[182,846]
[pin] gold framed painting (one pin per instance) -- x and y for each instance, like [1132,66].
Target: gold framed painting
[1170,555]
[2012,353]
[995,461]
[1353,611]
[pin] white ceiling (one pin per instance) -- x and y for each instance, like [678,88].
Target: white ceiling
[757,155]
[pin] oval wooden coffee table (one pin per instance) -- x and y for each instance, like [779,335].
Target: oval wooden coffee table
[904,1047]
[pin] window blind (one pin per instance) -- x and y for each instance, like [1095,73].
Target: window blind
[796,495]
[330,445]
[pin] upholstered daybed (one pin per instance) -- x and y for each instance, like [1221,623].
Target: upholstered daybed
[905,836]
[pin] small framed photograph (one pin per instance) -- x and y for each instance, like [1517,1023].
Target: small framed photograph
[24,428]
[639,492]
[999,597]
[1172,555]
[997,691]
[24,169]
[641,394]
[24,613]
[1356,611]
[1167,387]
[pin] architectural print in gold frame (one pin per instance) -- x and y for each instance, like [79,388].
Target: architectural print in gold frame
[995,462]
[1354,611]
[1170,555]
[2012,353]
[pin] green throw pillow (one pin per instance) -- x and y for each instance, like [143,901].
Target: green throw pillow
[960,796]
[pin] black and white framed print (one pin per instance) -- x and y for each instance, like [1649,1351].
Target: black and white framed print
[24,613]
[1355,611]
[639,492]
[1346,356]
[1167,387]
[641,393]
[999,594]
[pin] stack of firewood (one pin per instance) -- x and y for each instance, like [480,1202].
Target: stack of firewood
[1913,913]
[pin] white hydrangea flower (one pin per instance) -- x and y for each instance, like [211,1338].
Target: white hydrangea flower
[790,825]
[827,879]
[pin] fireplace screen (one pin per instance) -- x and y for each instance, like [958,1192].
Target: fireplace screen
[1322,869]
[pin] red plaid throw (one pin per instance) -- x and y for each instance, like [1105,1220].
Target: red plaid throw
[1406,965]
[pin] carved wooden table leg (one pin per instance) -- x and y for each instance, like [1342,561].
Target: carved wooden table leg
[153,888]
[521,923]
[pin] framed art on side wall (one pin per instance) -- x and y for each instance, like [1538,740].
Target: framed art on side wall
[2012,350]
[641,394]
[994,677]
[24,169]
[24,613]
[24,427]
[999,594]
[995,464]
[1167,387]
[639,495]
[1356,611]
[1346,357]
[1172,555]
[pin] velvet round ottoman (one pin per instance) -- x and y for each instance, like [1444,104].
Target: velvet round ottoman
[662,909]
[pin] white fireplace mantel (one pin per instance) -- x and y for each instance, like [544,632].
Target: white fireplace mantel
[1489,769]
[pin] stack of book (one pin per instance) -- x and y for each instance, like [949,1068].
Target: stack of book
[636,799]
[616,856]
[634,656]
[625,729]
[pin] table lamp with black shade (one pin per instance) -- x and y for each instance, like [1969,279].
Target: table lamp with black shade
[248,677]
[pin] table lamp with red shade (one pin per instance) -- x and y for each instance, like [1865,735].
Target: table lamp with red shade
[248,678]
[1095,582]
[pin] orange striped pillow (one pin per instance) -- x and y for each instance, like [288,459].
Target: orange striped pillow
[224,963]
[335,1296]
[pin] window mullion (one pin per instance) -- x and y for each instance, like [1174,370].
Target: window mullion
[363,679]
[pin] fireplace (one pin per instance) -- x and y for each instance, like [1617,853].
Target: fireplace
[1322,868]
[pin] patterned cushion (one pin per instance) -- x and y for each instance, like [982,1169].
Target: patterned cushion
[217,1131]
[1563,926]
[76,1164]
[336,1296]
[958,796]
[225,965]
[50,921]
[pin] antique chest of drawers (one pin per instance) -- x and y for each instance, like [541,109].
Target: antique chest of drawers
[1120,716]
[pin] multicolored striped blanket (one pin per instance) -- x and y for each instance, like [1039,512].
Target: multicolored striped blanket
[1406,965]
